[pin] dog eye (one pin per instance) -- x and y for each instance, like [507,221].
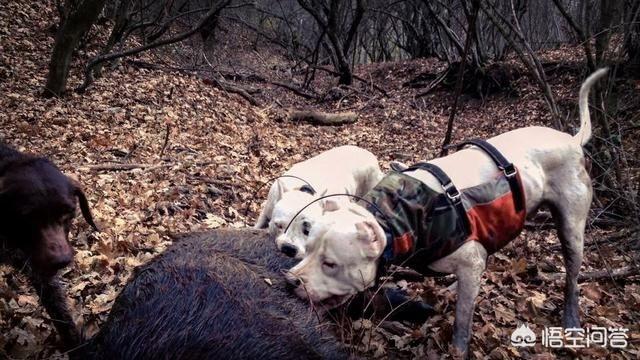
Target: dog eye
[329,264]
[305,228]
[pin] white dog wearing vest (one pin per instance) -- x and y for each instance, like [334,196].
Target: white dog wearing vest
[347,242]
[344,169]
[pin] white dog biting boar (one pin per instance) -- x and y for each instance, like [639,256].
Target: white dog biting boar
[344,169]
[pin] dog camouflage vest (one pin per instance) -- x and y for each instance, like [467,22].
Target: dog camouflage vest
[423,225]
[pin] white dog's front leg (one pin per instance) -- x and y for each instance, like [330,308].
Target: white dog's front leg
[468,263]
[275,194]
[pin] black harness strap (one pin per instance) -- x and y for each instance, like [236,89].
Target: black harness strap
[449,189]
[503,164]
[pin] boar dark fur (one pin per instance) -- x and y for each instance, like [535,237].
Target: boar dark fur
[207,297]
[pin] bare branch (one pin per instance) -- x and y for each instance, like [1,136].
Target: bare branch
[88,73]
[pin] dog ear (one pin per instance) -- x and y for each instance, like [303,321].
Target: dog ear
[372,236]
[84,204]
[279,190]
[329,205]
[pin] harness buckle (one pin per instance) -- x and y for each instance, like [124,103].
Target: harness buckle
[509,171]
[452,195]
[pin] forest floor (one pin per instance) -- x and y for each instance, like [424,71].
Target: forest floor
[197,155]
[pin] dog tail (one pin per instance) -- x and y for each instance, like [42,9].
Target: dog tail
[584,134]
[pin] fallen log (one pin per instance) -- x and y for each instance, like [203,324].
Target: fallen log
[323,118]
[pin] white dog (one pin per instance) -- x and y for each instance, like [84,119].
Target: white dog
[348,243]
[344,169]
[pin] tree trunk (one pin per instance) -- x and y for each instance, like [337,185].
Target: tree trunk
[471,20]
[632,39]
[327,17]
[79,16]
[121,23]
[346,76]
[609,15]
[342,64]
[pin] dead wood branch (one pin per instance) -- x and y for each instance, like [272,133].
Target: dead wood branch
[459,81]
[225,86]
[620,237]
[614,274]
[514,37]
[124,167]
[322,118]
[218,182]
[152,66]
[434,84]
[134,166]
[88,71]
[233,89]
[294,89]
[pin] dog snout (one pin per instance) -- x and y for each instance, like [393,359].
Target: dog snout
[289,250]
[58,255]
[61,261]
[54,252]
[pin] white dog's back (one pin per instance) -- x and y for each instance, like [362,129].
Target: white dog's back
[345,168]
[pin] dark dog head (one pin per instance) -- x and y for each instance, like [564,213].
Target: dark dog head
[37,205]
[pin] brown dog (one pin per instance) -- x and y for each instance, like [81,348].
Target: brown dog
[37,205]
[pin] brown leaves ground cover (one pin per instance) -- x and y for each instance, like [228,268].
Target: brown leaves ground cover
[197,155]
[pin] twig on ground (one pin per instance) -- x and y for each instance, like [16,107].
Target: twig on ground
[166,141]
[124,167]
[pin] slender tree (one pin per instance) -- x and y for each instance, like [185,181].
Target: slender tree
[327,15]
